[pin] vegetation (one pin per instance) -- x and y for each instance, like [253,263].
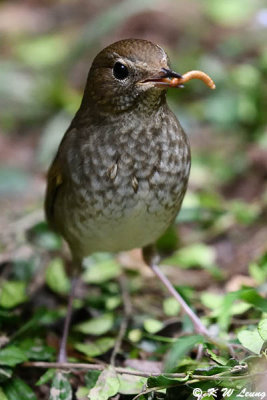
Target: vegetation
[128,337]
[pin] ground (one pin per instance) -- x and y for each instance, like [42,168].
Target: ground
[124,323]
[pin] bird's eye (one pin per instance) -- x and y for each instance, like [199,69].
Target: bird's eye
[120,71]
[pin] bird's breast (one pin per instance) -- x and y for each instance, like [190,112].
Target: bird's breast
[127,187]
[136,164]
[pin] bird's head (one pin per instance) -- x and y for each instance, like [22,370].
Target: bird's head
[127,74]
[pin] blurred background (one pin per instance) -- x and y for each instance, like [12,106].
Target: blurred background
[46,49]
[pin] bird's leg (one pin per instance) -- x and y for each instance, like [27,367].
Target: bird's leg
[152,260]
[199,327]
[62,355]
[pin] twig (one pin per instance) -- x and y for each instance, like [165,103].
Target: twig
[200,351]
[127,310]
[245,321]
[119,370]
[146,391]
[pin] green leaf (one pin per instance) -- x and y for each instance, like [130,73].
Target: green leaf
[42,237]
[112,302]
[218,359]
[12,356]
[226,309]
[251,296]
[164,381]
[2,395]
[240,307]
[212,300]
[245,213]
[42,316]
[51,316]
[106,386]
[262,328]
[96,348]
[90,378]
[46,377]
[251,340]
[56,277]
[213,370]
[12,293]
[96,326]
[197,254]
[40,352]
[24,270]
[258,272]
[34,349]
[7,315]
[102,271]
[171,306]
[14,389]
[5,373]
[167,243]
[218,307]
[82,393]
[178,350]
[152,325]
[135,335]
[60,388]
[130,384]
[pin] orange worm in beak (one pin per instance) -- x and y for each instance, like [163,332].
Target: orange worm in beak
[173,82]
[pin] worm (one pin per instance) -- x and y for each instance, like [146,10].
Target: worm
[193,75]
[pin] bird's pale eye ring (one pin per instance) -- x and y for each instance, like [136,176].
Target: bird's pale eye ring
[120,71]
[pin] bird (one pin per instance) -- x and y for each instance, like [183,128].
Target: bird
[121,171]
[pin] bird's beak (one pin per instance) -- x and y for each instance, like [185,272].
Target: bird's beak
[163,79]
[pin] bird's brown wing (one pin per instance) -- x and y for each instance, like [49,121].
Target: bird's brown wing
[57,176]
[54,184]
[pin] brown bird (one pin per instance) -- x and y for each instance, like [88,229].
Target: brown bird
[121,171]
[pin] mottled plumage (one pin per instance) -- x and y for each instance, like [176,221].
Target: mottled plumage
[121,171]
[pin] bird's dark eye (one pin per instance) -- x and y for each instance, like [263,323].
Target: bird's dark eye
[120,71]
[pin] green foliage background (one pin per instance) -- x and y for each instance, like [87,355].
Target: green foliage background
[220,267]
